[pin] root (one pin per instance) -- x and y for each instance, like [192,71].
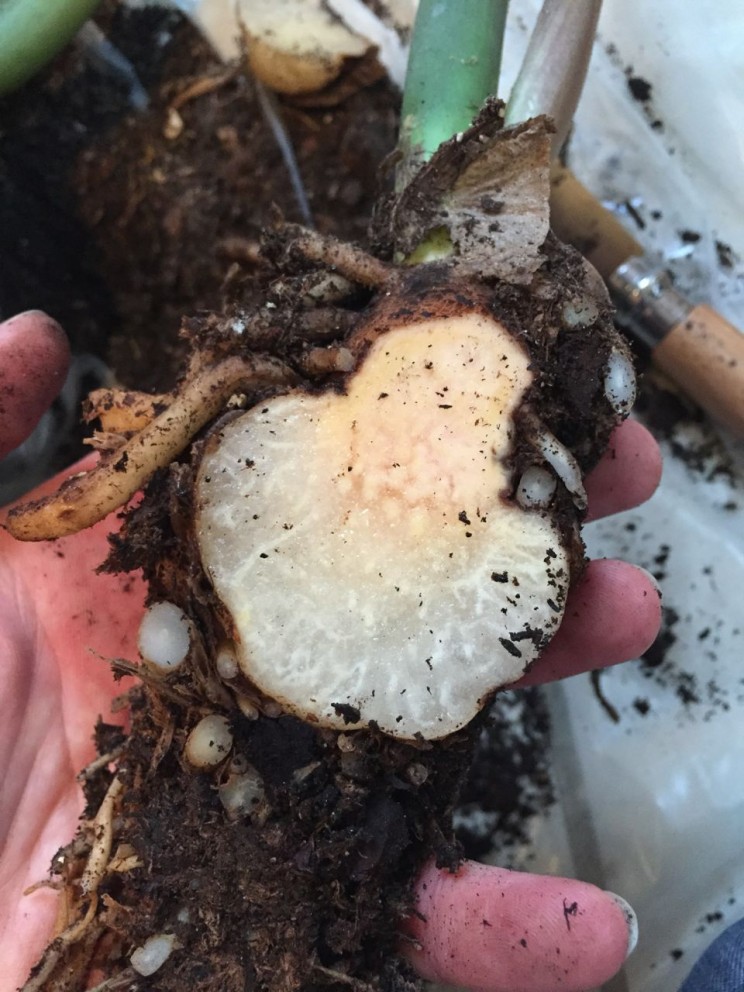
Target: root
[95,766]
[43,979]
[80,937]
[117,982]
[321,361]
[85,499]
[103,829]
[343,978]
[241,250]
[201,87]
[353,263]
[324,324]
[270,110]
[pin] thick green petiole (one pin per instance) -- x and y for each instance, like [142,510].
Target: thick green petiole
[33,31]
[453,66]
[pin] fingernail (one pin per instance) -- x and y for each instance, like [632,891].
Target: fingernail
[631,920]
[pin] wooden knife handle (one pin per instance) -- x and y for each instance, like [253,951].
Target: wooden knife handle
[578,218]
[705,355]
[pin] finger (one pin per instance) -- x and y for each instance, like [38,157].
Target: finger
[628,473]
[502,931]
[34,358]
[612,614]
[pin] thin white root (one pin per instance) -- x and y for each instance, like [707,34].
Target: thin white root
[103,831]
[87,498]
[98,863]
[105,759]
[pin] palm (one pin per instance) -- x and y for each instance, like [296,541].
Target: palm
[59,621]
[53,614]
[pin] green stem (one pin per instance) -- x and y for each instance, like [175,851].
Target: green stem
[453,66]
[33,31]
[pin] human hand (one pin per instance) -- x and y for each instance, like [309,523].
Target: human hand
[485,928]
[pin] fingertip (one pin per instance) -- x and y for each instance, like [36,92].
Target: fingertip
[639,595]
[613,614]
[494,930]
[34,359]
[627,475]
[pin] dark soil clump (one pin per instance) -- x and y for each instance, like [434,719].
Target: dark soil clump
[305,894]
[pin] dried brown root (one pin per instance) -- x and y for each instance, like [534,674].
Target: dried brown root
[87,498]
[67,957]
[321,250]
[201,87]
[103,830]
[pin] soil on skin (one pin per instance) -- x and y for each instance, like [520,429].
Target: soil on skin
[307,891]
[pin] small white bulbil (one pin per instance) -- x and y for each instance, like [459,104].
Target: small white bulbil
[226,663]
[153,954]
[370,565]
[536,488]
[164,636]
[563,464]
[242,793]
[209,742]
[620,382]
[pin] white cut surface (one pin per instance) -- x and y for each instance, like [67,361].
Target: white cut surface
[296,46]
[362,542]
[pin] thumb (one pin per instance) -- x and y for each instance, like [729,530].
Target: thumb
[494,930]
[34,358]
